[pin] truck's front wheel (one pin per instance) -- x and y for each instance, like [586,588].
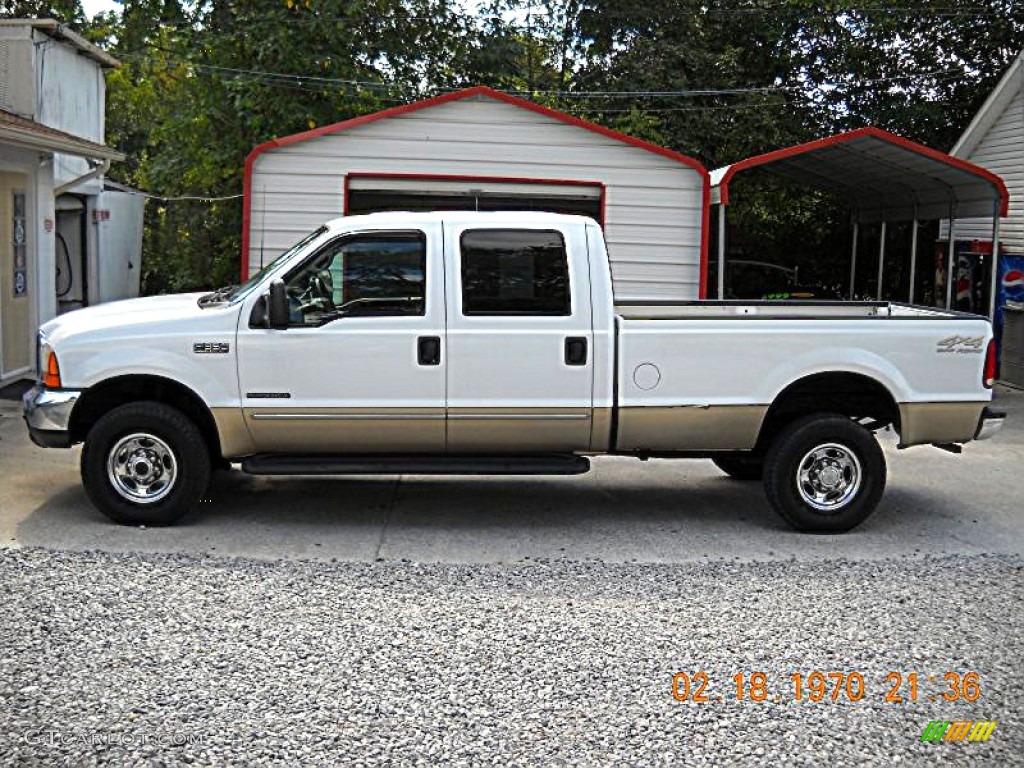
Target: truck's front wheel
[145,463]
[824,474]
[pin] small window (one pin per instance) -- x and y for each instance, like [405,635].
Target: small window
[375,275]
[514,272]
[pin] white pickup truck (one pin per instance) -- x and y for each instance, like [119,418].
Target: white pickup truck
[489,343]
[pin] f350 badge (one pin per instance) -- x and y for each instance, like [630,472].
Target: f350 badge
[211,347]
[960,345]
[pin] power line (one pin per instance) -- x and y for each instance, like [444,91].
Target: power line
[316,82]
[177,198]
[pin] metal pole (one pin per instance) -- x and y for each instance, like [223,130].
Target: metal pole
[952,248]
[721,251]
[853,258]
[881,261]
[913,256]
[994,277]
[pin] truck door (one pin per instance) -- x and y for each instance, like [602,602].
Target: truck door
[520,341]
[362,366]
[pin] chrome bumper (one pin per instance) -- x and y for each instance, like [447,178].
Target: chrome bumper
[48,414]
[989,423]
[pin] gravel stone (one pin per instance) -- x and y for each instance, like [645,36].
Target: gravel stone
[128,659]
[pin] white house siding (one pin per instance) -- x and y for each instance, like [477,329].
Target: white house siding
[1001,151]
[653,204]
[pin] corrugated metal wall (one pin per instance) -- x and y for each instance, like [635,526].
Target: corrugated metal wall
[1002,152]
[654,204]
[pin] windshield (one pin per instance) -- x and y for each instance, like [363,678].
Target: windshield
[246,288]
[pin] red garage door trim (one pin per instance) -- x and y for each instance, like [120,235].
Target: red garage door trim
[480,90]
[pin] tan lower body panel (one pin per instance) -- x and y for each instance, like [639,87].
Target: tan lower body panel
[690,428]
[601,430]
[414,430]
[346,430]
[923,423]
[508,430]
[235,440]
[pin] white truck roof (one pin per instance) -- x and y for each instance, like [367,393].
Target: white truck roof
[403,219]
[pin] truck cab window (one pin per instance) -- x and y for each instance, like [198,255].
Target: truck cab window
[363,275]
[514,272]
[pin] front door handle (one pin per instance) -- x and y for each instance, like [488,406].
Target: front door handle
[576,350]
[429,350]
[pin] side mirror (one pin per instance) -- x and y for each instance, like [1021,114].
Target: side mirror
[278,312]
[258,317]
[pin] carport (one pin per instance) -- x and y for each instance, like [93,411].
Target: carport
[883,178]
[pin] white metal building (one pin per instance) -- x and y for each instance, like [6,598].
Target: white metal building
[65,240]
[480,148]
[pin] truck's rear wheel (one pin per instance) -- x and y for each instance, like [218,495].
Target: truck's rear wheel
[740,466]
[824,474]
[145,463]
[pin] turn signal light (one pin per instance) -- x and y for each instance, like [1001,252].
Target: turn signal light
[988,378]
[52,376]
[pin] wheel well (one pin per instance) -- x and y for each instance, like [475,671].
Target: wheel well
[101,398]
[849,394]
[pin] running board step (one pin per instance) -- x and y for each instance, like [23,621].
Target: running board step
[317,464]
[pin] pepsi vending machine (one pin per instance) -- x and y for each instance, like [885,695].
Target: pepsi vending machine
[1010,342]
[970,288]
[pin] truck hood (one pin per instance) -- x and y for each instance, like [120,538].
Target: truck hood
[122,314]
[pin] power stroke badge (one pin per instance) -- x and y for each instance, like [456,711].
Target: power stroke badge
[211,347]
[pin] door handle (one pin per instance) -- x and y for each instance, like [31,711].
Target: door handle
[429,350]
[576,350]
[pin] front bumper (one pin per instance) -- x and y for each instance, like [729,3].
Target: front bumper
[989,423]
[48,415]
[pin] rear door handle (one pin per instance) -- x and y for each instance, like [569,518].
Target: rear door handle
[576,350]
[429,350]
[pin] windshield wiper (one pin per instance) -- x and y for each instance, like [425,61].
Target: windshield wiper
[218,296]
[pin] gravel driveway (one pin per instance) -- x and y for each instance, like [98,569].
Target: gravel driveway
[119,658]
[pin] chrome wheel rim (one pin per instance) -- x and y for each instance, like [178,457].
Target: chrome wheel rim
[828,477]
[142,468]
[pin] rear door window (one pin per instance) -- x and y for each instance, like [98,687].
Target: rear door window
[514,272]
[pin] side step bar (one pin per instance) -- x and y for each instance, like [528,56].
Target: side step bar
[318,464]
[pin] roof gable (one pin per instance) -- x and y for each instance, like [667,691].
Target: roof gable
[993,108]
[477,92]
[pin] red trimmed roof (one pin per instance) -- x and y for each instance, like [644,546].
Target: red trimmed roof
[468,93]
[884,176]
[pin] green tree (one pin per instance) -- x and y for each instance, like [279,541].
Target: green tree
[67,11]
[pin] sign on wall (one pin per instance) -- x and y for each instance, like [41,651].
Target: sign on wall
[19,245]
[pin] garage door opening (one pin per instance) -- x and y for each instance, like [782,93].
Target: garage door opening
[369,194]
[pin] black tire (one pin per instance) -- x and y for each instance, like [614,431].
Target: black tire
[181,463]
[740,466]
[795,478]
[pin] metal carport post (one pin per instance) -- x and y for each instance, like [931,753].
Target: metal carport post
[881,260]
[721,251]
[913,256]
[994,276]
[853,257]
[952,248]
